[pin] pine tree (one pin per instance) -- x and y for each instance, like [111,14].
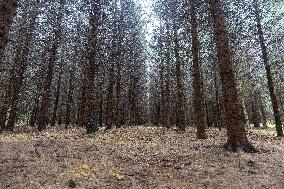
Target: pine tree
[233,112]
[198,94]
[275,105]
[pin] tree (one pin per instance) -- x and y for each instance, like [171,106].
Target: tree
[180,116]
[275,105]
[233,112]
[42,119]
[19,67]
[87,104]
[198,95]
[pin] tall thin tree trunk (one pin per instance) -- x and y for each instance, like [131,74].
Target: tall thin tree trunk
[21,62]
[109,119]
[275,105]
[180,114]
[167,110]
[198,93]
[42,119]
[245,113]
[17,66]
[131,106]
[34,110]
[88,101]
[118,96]
[255,116]
[233,112]
[263,114]
[57,95]
[217,99]
[60,111]
[69,98]
[162,94]
[118,59]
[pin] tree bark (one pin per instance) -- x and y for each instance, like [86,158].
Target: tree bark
[56,101]
[110,113]
[198,93]
[88,104]
[131,103]
[118,96]
[217,99]
[180,115]
[255,115]
[69,98]
[275,105]
[20,65]
[237,138]
[263,114]
[42,119]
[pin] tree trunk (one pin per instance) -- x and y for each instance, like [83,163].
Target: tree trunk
[88,104]
[56,101]
[233,112]
[162,94]
[198,93]
[8,9]
[255,116]
[167,110]
[21,62]
[34,110]
[109,119]
[245,113]
[180,114]
[217,99]
[275,105]
[69,98]
[42,119]
[131,103]
[263,114]
[118,96]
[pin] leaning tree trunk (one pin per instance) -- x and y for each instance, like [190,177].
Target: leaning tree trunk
[198,93]
[44,105]
[21,64]
[8,9]
[275,105]
[45,102]
[233,112]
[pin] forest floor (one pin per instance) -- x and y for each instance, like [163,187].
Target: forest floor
[137,157]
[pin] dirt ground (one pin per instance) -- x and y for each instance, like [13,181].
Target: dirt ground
[137,157]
